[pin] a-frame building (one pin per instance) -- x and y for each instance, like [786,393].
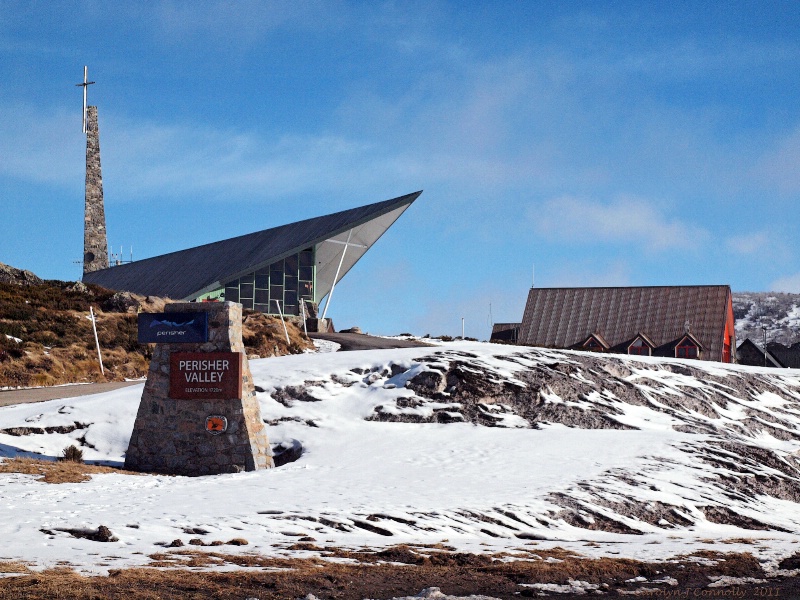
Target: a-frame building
[277,267]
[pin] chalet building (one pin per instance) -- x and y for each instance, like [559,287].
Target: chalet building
[675,321]
[787,356]
[750,353]
[777,355]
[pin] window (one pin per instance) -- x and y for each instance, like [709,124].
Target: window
[592,345]
[246,290]
[307,273]
[262,280]
[291,265]
[286,280]
[687,349]
[307,258]
[639,348]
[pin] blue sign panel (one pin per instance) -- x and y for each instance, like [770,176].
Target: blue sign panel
[171,328]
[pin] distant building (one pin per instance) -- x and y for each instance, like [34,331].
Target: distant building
[777,355]
[787,356]
[505,332]
[279,267]
[676,321]
[750,353]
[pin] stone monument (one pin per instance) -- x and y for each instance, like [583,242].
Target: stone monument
[199,414]
[95,242]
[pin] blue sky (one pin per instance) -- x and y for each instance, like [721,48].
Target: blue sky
[608,143]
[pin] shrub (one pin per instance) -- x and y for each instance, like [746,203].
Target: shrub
[72,454]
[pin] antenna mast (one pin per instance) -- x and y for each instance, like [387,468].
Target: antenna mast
[84,85]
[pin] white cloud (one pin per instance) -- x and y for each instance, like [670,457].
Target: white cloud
[789,284]
[751,243]
[626,220]
[44,146]
[581,274]
[780,167]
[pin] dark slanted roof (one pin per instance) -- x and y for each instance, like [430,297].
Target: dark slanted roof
[788,356]
[565,317]
[750,353]
[188,273]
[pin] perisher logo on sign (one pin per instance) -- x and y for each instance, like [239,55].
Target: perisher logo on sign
[163,328]
[205,375]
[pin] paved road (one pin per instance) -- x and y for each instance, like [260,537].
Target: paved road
[360,341]
[8,397]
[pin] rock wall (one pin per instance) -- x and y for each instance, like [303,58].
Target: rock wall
[95,244]
[170,435]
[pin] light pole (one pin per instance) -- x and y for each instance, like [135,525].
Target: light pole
[764,329]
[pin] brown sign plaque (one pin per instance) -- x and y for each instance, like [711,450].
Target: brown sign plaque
[205,375]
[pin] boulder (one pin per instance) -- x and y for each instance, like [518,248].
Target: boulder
[121,302]
[17,276]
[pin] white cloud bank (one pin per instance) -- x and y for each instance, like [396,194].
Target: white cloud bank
[625,219]
[789,284]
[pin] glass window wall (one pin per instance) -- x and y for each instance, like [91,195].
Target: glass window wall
[285,281]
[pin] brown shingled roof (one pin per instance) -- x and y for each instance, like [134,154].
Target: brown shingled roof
[565,317]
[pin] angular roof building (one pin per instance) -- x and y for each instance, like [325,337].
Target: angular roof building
[679,321]
[278,267]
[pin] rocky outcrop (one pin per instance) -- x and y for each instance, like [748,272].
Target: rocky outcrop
[17,276]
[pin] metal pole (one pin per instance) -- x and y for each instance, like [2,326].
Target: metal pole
[765,344]
[303,308]
[280,312]
[333,285]
[462,328]
[96,341]
[85,86]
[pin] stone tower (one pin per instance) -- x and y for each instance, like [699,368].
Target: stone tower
[95,244]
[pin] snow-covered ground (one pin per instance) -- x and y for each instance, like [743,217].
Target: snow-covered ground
[618,456]
[778,312]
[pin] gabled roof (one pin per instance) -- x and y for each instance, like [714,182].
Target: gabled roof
[642,336]
[565,317]
[691,338]
[597,338]
[750,353]
[186,274]
[787,356]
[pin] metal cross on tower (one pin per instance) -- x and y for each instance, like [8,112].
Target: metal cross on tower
[84,85]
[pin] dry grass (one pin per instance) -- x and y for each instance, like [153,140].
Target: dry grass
[13,566]
[263,335]
[58,344]
[190,574]
[56,472]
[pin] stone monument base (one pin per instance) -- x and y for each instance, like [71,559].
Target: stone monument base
[180,436]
